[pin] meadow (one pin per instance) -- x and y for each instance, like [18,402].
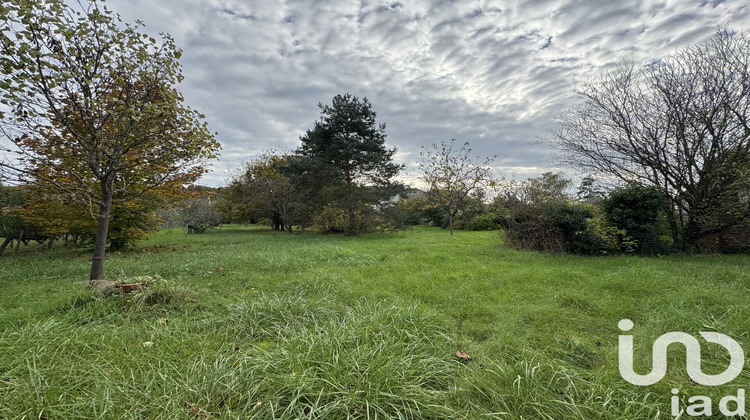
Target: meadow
[244,322]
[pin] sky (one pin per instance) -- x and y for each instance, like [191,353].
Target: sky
[494,74]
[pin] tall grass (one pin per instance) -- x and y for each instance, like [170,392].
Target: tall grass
[245,323]
[275,356]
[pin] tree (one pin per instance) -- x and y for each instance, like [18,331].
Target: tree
[588,191]
[95,113]
[345,152]
[452,175]
[549,187]
[12,225]
[681,124]
[264,191]
[28,214]
[197,214]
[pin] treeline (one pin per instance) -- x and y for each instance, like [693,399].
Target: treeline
[543,214]
[100,149]
[32,214]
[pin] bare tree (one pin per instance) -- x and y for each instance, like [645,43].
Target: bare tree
[681,124]
[452,174]
[197,214]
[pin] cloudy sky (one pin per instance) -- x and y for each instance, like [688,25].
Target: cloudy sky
[494,74]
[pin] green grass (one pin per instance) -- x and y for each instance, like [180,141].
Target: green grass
[248,323]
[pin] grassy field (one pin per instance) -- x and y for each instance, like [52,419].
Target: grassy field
[244,322]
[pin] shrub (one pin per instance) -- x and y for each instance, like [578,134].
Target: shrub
[589,243]
[483,221]
[417,211]
[394,217]
[555,227]
[537,216]
[330,220]
[476,214]
[637,213]
[336,220]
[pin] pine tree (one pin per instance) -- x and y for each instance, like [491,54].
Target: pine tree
[346,151]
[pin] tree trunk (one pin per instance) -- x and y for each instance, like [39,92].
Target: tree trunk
[350,200]
[450,222]
[18,244]
[285,224]
[5,245]
[102,229]
[691,236]
[672,215]
[352,221]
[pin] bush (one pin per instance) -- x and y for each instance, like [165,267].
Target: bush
[589,243]
[476,214]
[411,210]
[483,221]
[637,213]
[417,211]
[395,218]
[330,220]
[537,216]
[336,220]
[555,227]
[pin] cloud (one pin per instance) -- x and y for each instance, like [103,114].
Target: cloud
[492,75]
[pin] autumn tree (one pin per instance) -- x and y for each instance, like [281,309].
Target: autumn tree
[345,154]
[12,225]
[452,174]
[264,191]
[28,214]
[680,124]
[92,108]
[54,214]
